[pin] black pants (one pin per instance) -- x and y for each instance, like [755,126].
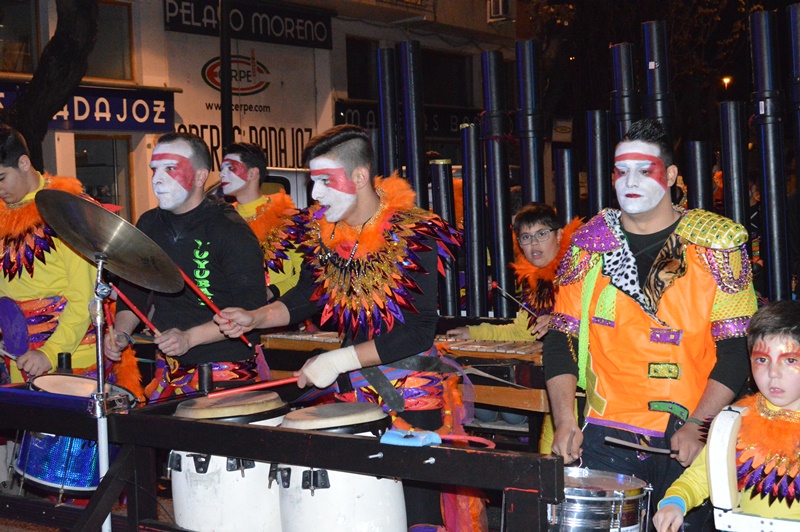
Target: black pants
[659,470]
[422,498]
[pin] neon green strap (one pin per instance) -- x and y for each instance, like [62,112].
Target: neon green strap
[583,331]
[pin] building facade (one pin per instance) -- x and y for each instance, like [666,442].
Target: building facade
[297,68]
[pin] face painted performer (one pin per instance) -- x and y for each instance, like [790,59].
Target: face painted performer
[372,257]
[768,442]
[243,169]
[216,249]
[650,319]
[43,278]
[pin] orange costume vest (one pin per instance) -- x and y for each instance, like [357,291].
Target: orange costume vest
[651,349]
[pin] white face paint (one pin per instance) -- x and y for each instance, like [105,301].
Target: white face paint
[640,177]
[332,187]
[173,174]
[233,174]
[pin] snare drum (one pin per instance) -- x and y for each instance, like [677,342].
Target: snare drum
[67,464]
[318,499]
[598,500]
[218,493]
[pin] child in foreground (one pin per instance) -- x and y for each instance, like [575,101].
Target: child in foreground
[768,443]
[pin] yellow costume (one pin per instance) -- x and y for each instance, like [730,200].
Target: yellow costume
[37,265]
[268,217]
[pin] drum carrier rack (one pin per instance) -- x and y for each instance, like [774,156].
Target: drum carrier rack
[528,481]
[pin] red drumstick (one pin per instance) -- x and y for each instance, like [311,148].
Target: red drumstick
[522,305]
[208,302]
[136,311]
[256,386]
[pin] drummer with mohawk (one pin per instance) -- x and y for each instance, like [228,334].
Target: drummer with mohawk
[372,257]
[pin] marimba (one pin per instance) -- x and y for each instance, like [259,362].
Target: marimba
[520,387]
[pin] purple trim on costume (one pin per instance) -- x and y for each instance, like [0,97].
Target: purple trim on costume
[623,426]
[563,323]
[729,328]
[665,336]
[595,236]
[603,321]
[722,271]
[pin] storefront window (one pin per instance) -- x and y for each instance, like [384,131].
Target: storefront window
[103,167]
[111,57]
[17,36]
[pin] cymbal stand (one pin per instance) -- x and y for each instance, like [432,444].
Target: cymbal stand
[99,404]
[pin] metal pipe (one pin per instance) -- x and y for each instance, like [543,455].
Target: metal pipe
[599,155]
[474,237]
[530,124]
[697,174]
[734,172]
[443,204]
[387,99]
[414,121]
[567,190]
[624,98]
[225,90]
[767,120]
[658,103]
[497,175]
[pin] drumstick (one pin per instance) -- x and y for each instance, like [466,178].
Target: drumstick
[656,450]
[256,386]
[139,313]
[208,302]
[7,354]
[522,305]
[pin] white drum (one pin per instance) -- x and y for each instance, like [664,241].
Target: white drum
[340,501]
[219,493]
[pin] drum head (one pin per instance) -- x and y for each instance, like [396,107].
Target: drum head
[229,406]
[586,482]
[332,416]
[74,385]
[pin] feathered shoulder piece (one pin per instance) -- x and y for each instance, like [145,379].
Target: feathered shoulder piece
[537,283]
[25,235]
[269,225]
[363,274]
[768,451]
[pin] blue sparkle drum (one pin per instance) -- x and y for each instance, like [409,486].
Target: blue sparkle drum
[62,463]
[599,500]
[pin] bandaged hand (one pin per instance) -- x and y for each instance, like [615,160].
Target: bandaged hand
[322,370]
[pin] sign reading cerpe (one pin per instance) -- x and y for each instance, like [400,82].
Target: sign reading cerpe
[261,23]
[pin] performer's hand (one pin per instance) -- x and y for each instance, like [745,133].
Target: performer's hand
[34,363]
[233,322]
[541,326]
[322,370]
[113,345]
[668,519]
[567,443]
[688,443]
[173,342]
[461,333]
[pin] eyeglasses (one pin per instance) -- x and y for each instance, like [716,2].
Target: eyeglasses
[540,236]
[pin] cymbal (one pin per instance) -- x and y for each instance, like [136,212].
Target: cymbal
[90,230]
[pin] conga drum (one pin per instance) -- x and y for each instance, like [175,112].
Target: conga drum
[317,499]
[219,493]
[599,500]
[61,463]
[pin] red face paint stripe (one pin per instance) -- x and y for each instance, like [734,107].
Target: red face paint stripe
[337,179]
[184,171]
[237,167]
[658,170]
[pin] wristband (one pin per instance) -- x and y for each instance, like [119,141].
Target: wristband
[128,338]
[696,421]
